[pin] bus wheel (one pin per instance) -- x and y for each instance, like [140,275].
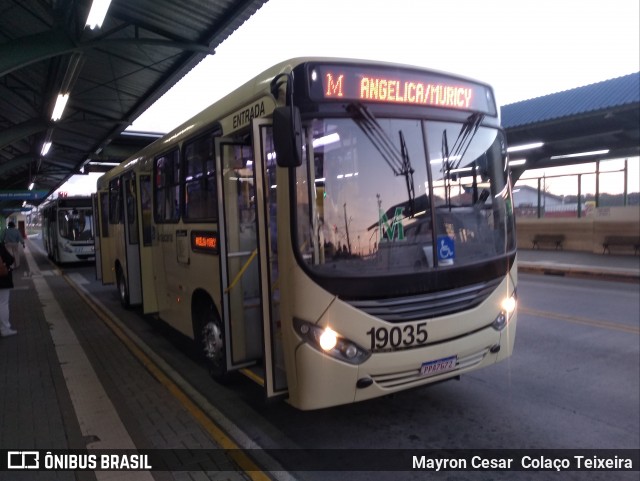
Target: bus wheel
[212,343]
[123,291]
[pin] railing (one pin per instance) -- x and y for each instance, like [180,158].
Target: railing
[533,196]
[603,227]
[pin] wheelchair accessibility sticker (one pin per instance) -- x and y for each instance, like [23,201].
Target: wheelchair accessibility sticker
[446,250]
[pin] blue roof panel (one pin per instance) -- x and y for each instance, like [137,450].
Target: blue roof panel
[616,92]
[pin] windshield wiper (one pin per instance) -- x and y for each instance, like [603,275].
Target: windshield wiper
[463,141]
[458,151]
[407,171]
[397,160]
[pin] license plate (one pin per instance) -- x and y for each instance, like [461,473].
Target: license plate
[439,366]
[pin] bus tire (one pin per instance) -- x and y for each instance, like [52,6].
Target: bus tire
[123,289]
[210,340]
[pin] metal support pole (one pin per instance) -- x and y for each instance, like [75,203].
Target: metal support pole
[579,196]
[626,182]
[597,183]
[346,227]
[539,198]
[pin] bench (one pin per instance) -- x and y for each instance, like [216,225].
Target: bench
[554,239]
[620,240]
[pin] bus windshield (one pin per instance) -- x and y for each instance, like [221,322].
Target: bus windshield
[75,224]
[389,196]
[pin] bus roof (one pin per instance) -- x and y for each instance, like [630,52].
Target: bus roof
[70,201]
[257,87]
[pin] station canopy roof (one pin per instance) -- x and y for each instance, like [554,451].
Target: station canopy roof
[112,75]
[596,122]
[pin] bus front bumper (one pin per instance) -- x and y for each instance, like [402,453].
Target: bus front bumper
[323,381]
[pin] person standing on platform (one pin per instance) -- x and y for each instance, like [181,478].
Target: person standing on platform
[6,283]
[12,240]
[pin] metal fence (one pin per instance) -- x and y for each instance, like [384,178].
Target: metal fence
[573,195]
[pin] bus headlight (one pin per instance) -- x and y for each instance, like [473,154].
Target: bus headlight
[328,341]
[508,306]
[66,246]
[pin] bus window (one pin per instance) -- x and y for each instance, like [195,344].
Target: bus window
[167,187]
[363,206]
[115,202]
[145,203]
[471,191]
[201,197]
[75,224]
[130,199]
[104,218]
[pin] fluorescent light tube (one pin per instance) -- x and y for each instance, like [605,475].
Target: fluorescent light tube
[326,140]
[580,154]
[61,103]
[45,148]
[518,162]
[97,13]
[518,148]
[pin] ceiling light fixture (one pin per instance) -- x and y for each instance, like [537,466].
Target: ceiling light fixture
[61,103]
[580,154]
[517,162]
[97,13]
[45,148]
[518,148]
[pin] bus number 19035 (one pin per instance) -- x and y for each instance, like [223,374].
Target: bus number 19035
[396,337]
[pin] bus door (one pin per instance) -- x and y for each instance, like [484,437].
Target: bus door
[96,235]
[250,273]
[106,239]
[239,253]
[166,205]
[264,153]
[146,235]
[131,240]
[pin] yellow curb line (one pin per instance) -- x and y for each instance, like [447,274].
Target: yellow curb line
[234,451]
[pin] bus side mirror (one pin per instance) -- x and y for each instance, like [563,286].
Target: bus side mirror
[287,136]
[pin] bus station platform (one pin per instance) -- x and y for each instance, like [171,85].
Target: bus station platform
[72,379]
[580,264]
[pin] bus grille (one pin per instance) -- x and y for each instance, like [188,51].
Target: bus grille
[427,306]
[404,378]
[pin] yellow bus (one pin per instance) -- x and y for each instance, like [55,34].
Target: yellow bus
[336,230]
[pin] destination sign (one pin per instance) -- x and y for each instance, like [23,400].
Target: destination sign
[204,241]
[396,86]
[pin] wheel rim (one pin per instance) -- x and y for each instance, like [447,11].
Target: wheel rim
[213,344]
[122,287]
